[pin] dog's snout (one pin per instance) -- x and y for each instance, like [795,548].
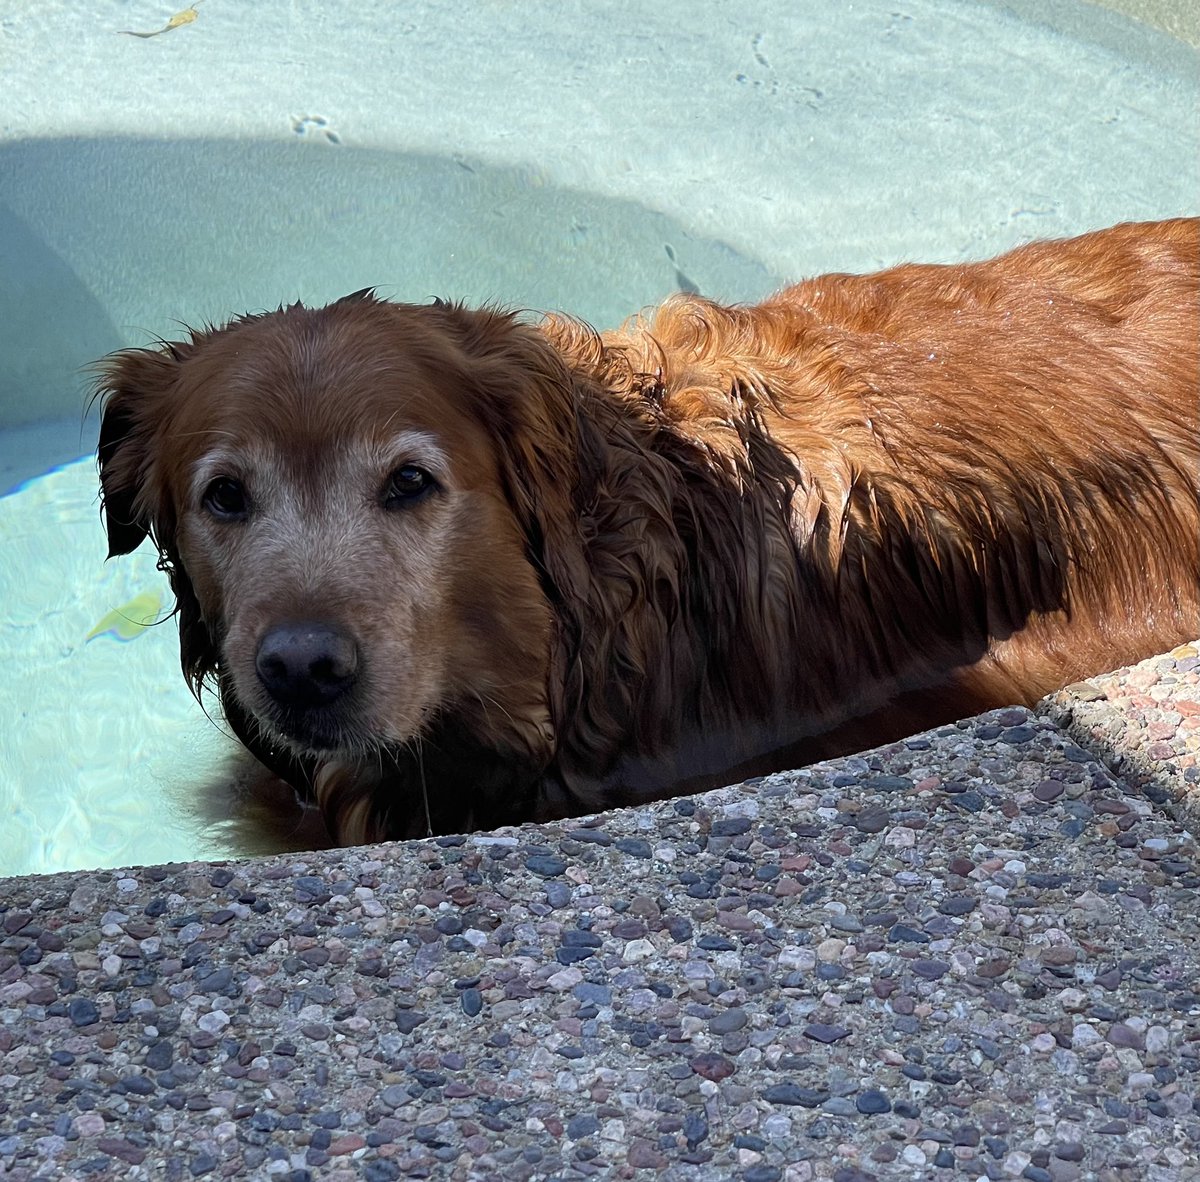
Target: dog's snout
[306,664]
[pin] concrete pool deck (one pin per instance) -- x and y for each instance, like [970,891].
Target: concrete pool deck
[973,954]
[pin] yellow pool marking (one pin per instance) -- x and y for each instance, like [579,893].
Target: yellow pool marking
[131,619]
[185,17]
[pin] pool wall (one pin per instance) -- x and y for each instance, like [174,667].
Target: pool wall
[158,184]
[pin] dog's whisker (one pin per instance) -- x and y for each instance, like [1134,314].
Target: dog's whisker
[424,791]
[484,699]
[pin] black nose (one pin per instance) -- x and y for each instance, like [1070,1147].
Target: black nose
[306,664]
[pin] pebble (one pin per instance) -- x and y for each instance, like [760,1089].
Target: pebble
[637,950]
[83,1012]
[872,1102]
[1121,1035]
[903,933]
[728,1021]
[930,970]
[545,866]
[825,1032]
[794,1095]
[712,1066]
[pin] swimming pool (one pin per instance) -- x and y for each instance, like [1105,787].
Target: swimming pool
[591,158]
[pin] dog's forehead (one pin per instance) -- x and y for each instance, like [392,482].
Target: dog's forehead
[305,372]
[312,355]
[312,398]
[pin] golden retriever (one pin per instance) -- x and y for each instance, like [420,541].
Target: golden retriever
[450,569]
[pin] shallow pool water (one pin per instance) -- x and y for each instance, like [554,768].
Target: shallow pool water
[591,158]
[100,736]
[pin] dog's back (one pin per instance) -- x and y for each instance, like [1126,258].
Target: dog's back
[1000,463]
[1047,405]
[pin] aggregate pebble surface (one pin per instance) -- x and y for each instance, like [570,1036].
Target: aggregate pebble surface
[1145,723]
[969,955]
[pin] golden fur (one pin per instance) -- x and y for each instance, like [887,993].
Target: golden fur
[718,541]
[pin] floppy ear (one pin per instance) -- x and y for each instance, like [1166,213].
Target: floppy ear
[528,398]
[597,506]
[125,533]
[133,386]
[136,387]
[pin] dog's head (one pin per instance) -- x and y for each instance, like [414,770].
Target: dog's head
[353,504]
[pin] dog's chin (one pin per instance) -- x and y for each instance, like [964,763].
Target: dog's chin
[319,733]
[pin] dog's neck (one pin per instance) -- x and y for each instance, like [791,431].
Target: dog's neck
[715,533]
[693,582]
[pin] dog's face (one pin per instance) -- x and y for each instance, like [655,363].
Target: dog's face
[345,497]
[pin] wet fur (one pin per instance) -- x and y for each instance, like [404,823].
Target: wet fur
[718,541]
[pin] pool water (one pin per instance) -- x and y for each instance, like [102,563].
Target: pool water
[101,736]
[591,158]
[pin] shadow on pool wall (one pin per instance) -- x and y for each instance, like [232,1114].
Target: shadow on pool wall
[136,237]
[51,327]
[51,324]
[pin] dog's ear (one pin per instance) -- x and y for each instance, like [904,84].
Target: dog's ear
[125,532]
[526,394]
[136,388]
[598,505]
[133,388]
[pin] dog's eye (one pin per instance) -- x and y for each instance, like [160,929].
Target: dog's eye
[226,499]
[406,485]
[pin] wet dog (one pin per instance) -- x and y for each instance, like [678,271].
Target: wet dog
[449,568]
